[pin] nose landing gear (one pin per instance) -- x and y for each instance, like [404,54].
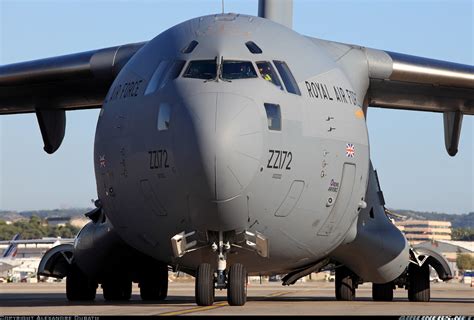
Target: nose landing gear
[234,280]
[204,289]
[237,285]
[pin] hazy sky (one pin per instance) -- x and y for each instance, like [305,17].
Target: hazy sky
[407,148]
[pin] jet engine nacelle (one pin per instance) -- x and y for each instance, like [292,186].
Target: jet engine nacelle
[98,248]
[97,251]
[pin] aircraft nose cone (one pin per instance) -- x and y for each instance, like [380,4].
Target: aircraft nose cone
[238,144]
[227,130]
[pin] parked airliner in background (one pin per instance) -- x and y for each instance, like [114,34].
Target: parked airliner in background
[8,261]
[221,152]
[10,258]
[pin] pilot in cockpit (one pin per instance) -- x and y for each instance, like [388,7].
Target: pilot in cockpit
[267,72]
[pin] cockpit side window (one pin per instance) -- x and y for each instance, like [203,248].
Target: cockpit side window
[166,71]
[287,77]
[157,76]
[201,69]
[232,69]
[173,72]
[267,72]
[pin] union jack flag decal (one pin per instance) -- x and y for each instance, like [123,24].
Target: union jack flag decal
[102,161]
[350,150]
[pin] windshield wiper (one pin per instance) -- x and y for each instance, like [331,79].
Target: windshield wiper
[219,70]
[219,67]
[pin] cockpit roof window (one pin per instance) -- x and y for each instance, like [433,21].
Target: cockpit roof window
[201,69]
[190,47]
[233,69]
[253,48]
[287,77]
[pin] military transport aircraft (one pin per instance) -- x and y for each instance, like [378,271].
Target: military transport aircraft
[222,153]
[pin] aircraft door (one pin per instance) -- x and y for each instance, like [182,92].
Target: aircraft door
[339,204]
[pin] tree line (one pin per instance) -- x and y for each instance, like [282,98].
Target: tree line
[462,234]
[35,228]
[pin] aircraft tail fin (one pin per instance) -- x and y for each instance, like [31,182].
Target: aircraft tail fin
[277,10]
[12,249]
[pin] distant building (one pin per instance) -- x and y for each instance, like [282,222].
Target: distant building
[79,221]
[58,221]
[418,231]
[450,250]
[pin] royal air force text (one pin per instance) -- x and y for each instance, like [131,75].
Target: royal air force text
[318,90]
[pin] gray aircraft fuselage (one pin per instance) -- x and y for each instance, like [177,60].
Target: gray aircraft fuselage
[209,161]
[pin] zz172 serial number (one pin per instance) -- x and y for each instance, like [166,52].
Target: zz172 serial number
[158,159]
[280,159]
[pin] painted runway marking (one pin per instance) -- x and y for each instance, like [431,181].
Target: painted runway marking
[216,305]
[196,309]
[278,294]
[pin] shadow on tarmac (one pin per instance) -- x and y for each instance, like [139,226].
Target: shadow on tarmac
[59,299]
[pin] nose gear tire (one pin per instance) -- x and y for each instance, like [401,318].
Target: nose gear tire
[204,285]
[237,285]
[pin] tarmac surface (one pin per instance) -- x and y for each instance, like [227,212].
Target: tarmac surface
[268,298]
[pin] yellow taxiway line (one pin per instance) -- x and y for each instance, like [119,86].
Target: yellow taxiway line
[215,306]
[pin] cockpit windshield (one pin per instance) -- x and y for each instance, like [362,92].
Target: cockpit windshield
[201,69]
[230,70]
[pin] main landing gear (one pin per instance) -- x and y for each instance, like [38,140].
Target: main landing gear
[78,286]
[234,280]
[416,279]
[346,284]
[419,283]
[382,292]
[154,282]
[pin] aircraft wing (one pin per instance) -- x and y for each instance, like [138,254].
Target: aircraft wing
[5,266]
[400,81]
[50,86]
[38,241]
